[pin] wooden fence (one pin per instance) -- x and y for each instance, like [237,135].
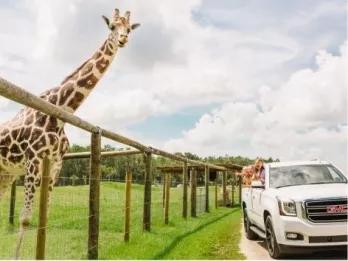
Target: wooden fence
[21,96]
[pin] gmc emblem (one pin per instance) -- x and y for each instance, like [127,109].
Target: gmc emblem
[336,209]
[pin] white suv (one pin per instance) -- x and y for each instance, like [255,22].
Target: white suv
[301,206]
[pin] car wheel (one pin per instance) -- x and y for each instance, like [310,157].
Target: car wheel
[271,241]
[248,232]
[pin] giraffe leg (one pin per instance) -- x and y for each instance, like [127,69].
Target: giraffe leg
[31,182]
[6,180]
[55,169]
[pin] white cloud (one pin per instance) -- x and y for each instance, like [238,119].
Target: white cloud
[312,98]
[173,62]
[186,59]
[133,106]
[305,118]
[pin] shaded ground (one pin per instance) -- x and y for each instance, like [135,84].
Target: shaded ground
[217,239]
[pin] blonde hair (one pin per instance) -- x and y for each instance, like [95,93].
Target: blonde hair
[258,161]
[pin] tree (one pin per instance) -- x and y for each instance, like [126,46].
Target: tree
[114,168]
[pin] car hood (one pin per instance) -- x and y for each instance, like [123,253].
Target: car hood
[318,191]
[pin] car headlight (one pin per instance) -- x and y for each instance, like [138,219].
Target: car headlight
[287,207]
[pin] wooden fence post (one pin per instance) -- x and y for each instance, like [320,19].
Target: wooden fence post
[216,190]
[232,188]
[184,196]
[224,188]
[193,192]
[166,205]
[240,190]
[94,194]
[12,202]
[147,192]
[41,230]
[163,189]
[127,205]
[206,179]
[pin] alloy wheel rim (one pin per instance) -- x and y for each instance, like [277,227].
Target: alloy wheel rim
[270,239]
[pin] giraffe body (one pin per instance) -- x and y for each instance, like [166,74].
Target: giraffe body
[32,135]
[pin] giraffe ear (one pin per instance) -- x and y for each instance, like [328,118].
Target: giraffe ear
[135,26]
[107,21]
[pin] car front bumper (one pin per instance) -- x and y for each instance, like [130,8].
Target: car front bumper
[314,234]
[287,249]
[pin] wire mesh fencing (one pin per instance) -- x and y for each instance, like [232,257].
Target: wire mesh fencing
[200,199]
[230,195]
[68,220]
[67,227]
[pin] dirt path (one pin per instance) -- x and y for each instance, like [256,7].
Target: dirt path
[253,249]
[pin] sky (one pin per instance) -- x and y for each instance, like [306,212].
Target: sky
[257,78]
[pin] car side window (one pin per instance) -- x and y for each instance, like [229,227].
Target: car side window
[333,174]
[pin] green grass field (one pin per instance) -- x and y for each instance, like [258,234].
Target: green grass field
[209,236]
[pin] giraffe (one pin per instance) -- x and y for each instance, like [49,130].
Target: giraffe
[32,135]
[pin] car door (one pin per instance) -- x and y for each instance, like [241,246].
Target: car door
[257,190]
[256,195]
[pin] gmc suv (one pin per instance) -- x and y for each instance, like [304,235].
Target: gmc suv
[300,206]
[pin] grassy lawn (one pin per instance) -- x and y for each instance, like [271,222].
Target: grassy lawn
[209,236]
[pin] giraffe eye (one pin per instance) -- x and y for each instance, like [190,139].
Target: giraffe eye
[128,30]
[112,27]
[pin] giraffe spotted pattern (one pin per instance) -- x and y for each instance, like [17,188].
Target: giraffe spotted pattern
[32,135]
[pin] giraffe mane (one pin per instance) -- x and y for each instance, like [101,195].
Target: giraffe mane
[74,72]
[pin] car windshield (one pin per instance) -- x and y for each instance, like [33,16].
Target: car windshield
[304,175]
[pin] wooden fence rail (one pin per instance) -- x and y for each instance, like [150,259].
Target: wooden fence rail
[17,94]
[103,154]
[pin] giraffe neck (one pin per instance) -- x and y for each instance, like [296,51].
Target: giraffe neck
[77,86]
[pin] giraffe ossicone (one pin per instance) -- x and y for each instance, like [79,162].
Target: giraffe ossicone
[32,135]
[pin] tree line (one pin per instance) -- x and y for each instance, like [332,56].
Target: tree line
[75,171]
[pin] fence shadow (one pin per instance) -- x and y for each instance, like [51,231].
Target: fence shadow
[177,239]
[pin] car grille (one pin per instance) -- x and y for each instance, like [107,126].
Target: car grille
[326,210]
[330,239]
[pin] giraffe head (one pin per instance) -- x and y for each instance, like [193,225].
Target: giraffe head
[120,27]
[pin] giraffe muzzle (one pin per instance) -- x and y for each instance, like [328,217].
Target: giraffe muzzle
[122,40]
[121,43]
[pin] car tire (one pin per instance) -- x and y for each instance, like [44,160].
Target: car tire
[271,241]
[251,235]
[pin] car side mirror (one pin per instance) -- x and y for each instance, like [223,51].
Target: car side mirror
[257,184]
